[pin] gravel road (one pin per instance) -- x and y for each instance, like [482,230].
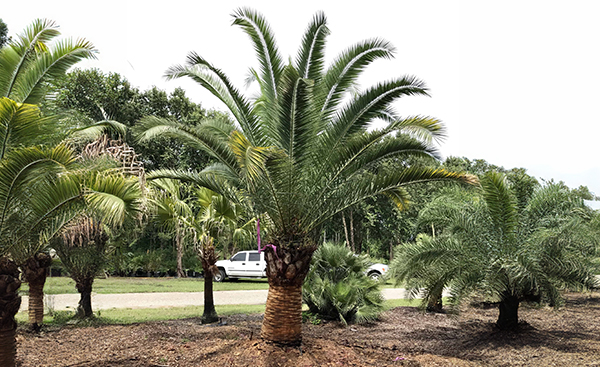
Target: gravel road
[169,299]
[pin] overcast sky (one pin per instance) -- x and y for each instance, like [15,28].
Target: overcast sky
[517,83]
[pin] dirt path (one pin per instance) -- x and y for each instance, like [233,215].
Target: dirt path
[170,299]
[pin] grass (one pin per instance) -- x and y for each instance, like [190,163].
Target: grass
[126,316]
[62,285]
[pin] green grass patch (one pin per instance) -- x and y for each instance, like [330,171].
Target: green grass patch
[126,316]
[62,285]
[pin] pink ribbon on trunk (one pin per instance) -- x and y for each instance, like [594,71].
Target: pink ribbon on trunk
[258,237]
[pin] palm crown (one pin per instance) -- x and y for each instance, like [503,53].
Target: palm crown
[301,149]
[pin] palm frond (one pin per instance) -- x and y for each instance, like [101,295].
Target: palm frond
[271,65]
[217,83]
[151,127]
[113,197]
[369,105]
[98,129]
[15,57]
[346,68]
[310,59]
[501,203]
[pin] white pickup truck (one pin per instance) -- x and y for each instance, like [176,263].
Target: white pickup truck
[251,264]
[244,264]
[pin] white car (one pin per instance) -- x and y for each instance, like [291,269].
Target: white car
[244,264]
[376,271]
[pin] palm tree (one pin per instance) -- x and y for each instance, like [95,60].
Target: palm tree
[81,244]
[489,244]
[28,65]
[299,151]
[337,287]
[173,213]
[224,221]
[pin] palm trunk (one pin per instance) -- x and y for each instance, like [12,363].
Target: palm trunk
[508,318]
[36,268]
[179,245]
[434,301]
[210,314]
[208,259]
[346,232]
[84,287]
[286,270]
[10,301]
[353,244]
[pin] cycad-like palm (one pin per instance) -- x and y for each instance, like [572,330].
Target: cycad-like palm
[489,244]
[300,149]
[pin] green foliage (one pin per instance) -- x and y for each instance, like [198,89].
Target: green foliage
[301,152]
[91,95]
[4,38]
[337,288]
[29,64]
[487,241]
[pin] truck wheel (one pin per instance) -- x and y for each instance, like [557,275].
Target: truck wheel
[375,275]
[220,276]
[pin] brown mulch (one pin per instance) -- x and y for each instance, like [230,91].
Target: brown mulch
[405,336]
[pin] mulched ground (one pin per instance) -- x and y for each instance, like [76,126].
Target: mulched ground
[404,337]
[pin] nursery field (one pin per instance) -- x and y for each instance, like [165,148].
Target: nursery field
[405,336]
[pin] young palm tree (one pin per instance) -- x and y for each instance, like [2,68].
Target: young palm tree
[299,151]
[173,213]
[82,243]
[489,244]
[218,220]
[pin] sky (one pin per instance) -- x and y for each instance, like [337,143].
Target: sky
[515,82]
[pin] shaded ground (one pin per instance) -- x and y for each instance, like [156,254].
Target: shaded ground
[404,337]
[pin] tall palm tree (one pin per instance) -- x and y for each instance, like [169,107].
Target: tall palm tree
[299,151]
[492,244]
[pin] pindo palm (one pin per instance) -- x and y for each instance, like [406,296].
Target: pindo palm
[299,150]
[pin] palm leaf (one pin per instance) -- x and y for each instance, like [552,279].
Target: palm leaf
[310,59]
[271,65]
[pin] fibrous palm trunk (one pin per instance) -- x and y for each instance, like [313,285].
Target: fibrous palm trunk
[208,260]
[508,318]
[10,301]
[84,287]
[286,269]
[36,268]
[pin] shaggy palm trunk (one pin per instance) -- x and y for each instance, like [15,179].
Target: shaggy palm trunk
[10,301]
[508,318]
[286,270]
[35,269]
[84,287]
[208,258]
